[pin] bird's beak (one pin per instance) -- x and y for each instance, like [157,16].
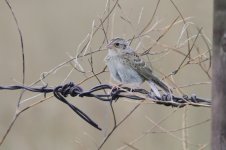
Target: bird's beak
[109,46]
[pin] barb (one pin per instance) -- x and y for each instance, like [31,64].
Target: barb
[62,91]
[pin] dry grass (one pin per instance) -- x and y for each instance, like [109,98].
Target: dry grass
[192,47]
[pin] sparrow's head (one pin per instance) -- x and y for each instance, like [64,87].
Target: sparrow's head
[119,45]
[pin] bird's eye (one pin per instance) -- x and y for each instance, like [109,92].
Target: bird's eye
[116,44]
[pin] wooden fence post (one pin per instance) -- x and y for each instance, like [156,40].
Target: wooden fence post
[219,76]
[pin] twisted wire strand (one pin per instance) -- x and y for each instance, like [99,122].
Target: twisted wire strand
[73,90]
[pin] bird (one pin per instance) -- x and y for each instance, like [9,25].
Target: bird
[127,67]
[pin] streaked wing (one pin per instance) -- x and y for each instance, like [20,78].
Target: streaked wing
[140,67]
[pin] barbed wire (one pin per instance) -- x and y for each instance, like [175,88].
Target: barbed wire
[62,91]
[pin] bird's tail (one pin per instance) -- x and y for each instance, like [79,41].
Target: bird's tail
[159,83]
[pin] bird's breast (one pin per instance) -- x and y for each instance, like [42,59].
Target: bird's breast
[121,70]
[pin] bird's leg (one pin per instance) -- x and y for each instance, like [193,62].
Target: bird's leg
[115,86]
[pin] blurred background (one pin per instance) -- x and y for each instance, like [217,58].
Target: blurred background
[53,31]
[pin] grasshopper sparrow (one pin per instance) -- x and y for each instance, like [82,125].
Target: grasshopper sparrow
[126,67]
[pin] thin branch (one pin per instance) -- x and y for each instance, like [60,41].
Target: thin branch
[21,38]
